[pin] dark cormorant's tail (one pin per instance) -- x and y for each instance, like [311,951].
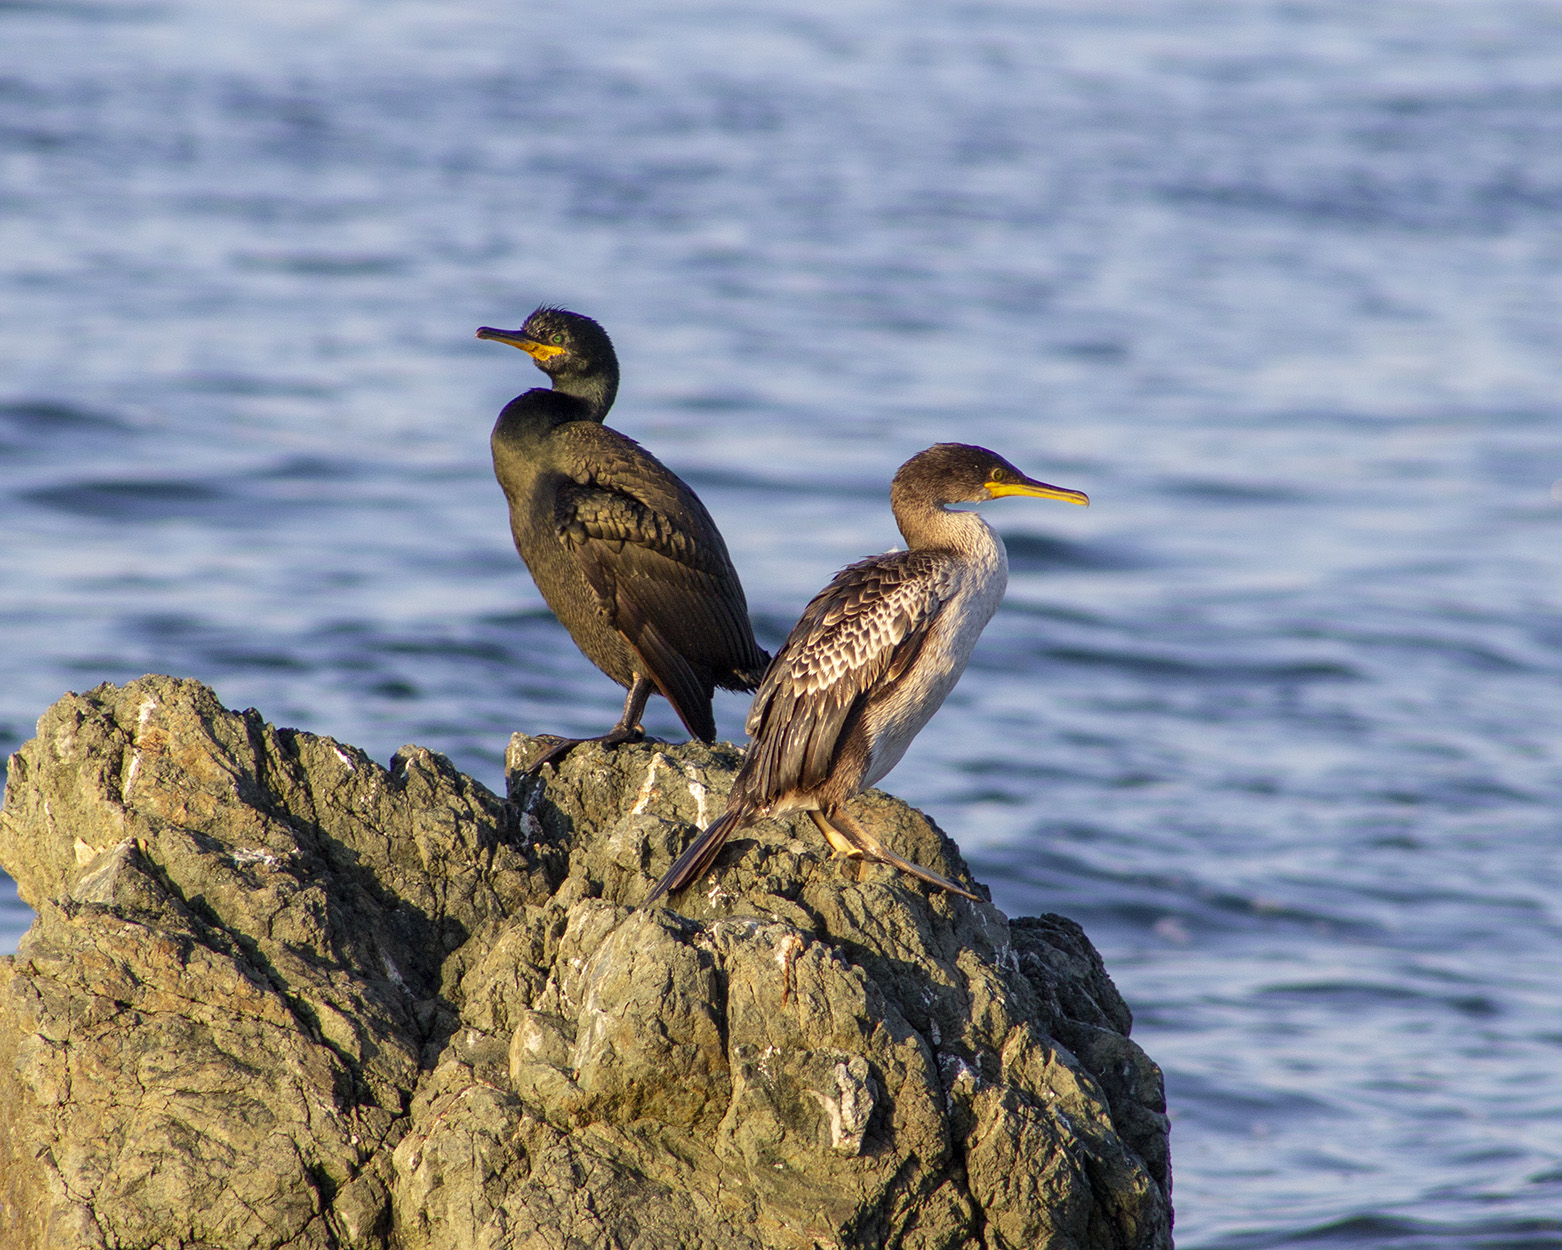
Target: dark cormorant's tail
[746,678]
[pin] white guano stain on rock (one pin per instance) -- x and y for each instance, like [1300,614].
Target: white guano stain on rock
[647,787]
[254,855]
[697,791]
[852,1107]
[955,1069]
[143,714]
[530,825]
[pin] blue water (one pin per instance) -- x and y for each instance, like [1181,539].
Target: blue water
[1279,718]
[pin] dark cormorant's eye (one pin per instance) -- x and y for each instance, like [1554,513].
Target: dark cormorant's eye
[558,338]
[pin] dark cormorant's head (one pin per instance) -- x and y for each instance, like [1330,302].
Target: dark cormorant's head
[574,351]
[960,473]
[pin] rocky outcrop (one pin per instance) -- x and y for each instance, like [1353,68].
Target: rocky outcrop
[279,996]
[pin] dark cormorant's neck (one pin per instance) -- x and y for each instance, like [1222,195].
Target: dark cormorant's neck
[595,390]
[531,416]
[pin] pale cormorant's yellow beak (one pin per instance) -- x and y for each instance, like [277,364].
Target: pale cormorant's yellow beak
[1040,490]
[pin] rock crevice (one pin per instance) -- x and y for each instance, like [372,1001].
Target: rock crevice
[279,996]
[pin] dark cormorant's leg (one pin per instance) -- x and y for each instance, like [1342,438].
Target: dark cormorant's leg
[849,831]
[627,730]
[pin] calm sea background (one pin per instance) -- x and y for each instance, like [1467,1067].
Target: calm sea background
[1279,718]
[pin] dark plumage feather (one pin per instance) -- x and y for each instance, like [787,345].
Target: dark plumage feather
[622,550]
[658,566]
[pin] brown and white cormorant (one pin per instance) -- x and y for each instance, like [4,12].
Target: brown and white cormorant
[622,550]
[872,658]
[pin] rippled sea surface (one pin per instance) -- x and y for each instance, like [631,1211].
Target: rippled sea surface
[1279,718]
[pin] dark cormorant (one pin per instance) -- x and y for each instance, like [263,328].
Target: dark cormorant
[872,658]
[622,550]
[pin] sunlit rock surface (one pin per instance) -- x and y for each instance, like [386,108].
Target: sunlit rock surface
[278,996]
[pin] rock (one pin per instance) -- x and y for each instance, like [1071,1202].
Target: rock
[278,996]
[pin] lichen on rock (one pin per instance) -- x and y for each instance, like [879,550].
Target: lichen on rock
[279,996]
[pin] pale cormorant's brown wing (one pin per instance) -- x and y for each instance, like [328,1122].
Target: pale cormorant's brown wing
[861,632]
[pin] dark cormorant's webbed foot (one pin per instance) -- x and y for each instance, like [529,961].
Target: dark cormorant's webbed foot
[555,754]
[627,730]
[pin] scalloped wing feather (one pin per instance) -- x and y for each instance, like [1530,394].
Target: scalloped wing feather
[867,626]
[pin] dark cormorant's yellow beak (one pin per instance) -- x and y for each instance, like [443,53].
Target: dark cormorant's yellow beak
[535,348]
[1040,490]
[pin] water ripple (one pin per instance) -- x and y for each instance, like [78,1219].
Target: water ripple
[1277,718]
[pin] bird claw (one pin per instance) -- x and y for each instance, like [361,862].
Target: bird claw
[927,874]
[554,755]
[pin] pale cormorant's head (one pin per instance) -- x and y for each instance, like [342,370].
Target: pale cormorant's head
[960,473]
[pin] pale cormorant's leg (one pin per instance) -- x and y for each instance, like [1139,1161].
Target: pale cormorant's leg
[842,845]
[850,831]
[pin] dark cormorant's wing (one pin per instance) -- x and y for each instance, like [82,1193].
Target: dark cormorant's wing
[864,629]
[660,570]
